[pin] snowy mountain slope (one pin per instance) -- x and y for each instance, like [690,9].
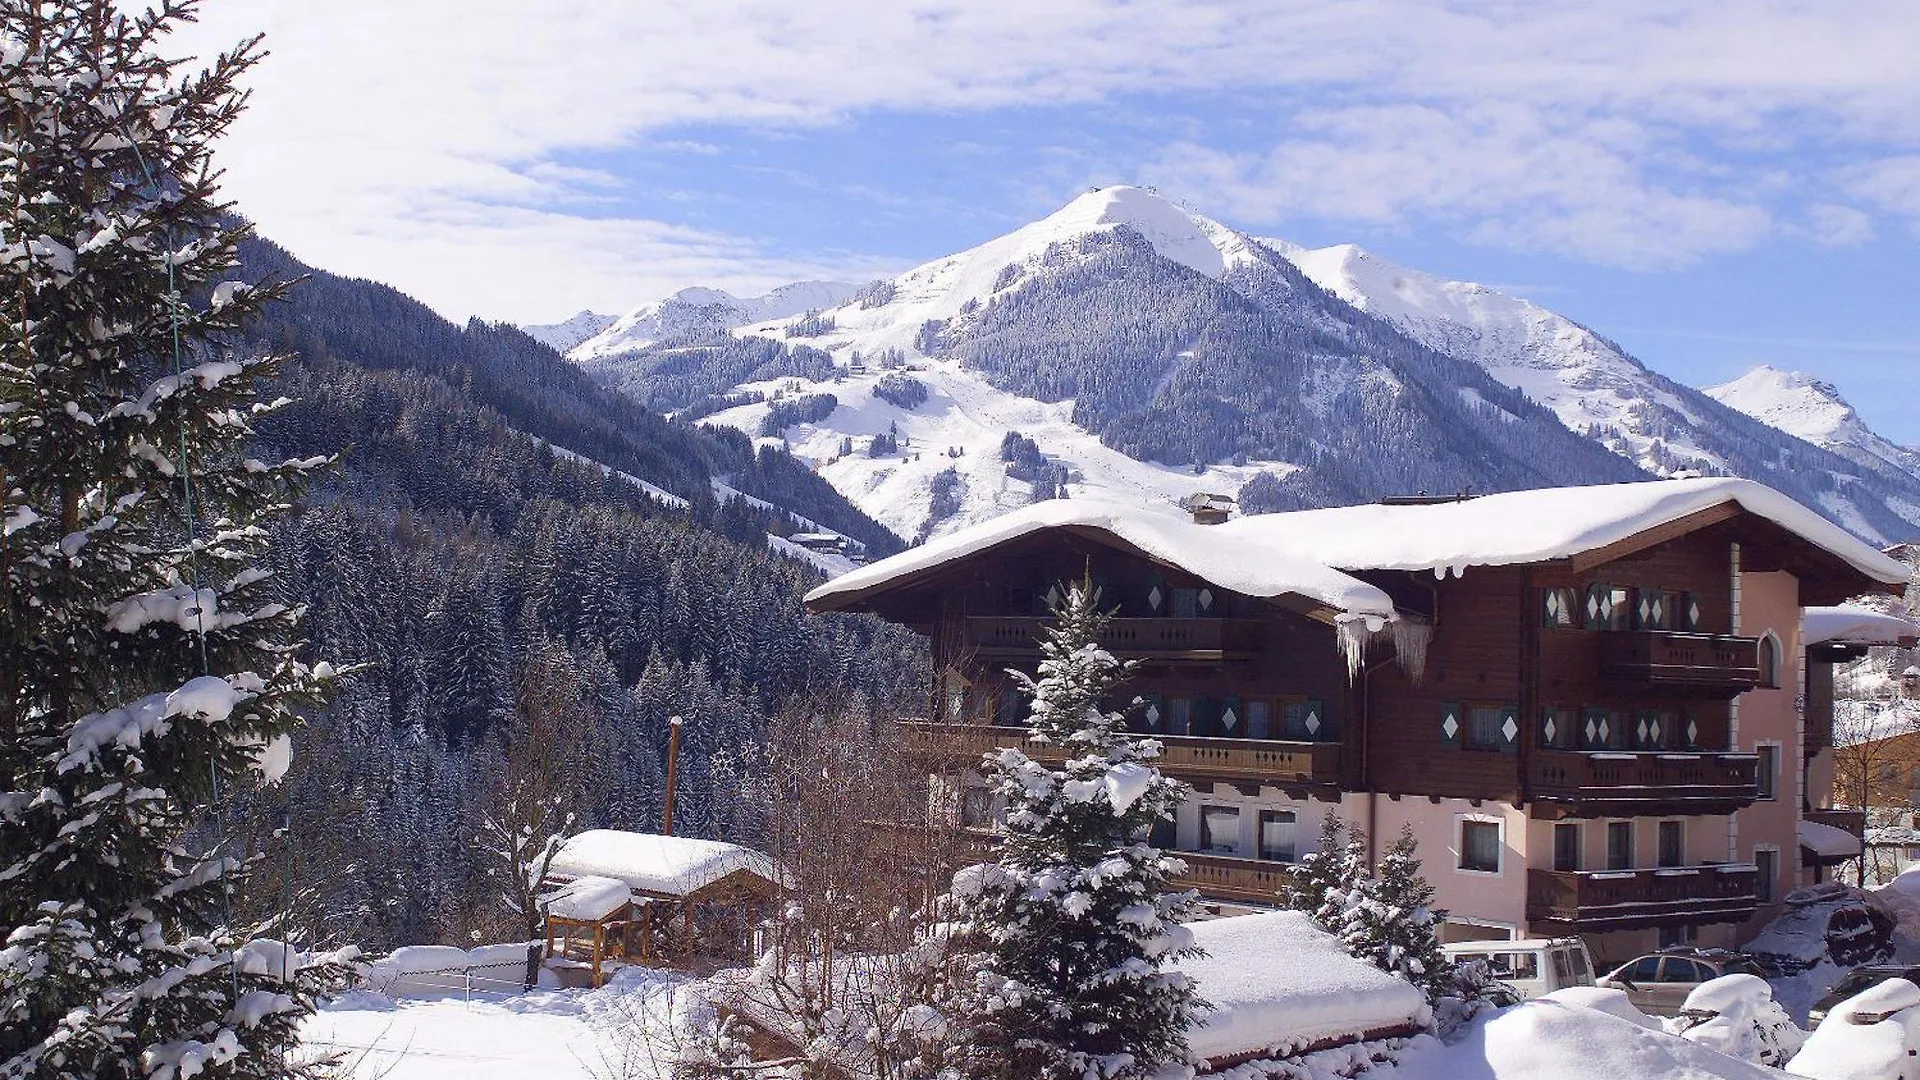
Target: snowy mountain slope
[1597,389]
[562,336]
[1812,409]
[1147,351]
[696,311]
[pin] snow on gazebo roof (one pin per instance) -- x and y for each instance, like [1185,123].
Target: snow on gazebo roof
[1541,525]
[661,865]
[587,899]
[1845,625]
[1275,979]
[1203,550]
[1826,841]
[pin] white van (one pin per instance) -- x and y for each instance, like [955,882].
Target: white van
[1534,966]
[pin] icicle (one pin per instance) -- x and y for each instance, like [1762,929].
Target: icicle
[1352,633]
[1410,641]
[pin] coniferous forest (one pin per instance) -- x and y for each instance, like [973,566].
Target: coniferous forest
[451,543]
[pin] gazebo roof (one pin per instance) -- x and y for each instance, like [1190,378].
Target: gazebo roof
[659,865]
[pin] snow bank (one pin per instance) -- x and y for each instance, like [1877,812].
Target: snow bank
[1553,1040]
[588,899]
[1207,551]
[1844,1049]
[1276,980]
[1826,841]
[1604,999]
[1518,527]
[651,863]
[1736,1015]
[1856,626]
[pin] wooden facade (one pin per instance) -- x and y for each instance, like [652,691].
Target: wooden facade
[1590,687]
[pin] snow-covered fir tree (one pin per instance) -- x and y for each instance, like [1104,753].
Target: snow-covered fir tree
[1390,921]
[1076,921]
[147,667]
[1323,879]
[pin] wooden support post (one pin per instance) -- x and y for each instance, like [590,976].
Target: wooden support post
[673,763]
[599,938]
[646,933]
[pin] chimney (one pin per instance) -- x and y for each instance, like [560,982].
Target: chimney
[1207,508]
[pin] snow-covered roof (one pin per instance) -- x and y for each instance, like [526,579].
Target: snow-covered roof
[588,899]
[651,863]
[1277,980]
[1846,625]
[1542,525]
[1826,841]
[1207,551]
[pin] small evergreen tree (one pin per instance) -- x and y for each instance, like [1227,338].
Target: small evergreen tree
[1076,922]
[1323,880]
[1390,921]
[147,666]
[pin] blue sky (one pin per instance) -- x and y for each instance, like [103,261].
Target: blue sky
[1712,188]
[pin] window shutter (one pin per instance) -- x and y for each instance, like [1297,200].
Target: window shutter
[1550,732]
[1453,723]
[1201,719]
[1510,729]
[1152,715]
[1157,595]
[1233,718]
[1320,727]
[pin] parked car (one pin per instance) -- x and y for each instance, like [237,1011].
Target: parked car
[1532,967]
[1658,983]
[1873,1035]
[1855,981]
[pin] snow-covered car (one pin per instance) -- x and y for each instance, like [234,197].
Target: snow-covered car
[1531,967]
[1736,1015]
[1658,983]
[1874,1035]
[1829,922]
[1853,982]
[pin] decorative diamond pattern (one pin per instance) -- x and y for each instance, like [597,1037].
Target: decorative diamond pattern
[1593,607]
[1554,605]
[1548,729]
[1053,595]
[1693,733]
[1653,733]
[1153,714]
[1155,597]
[1313,723]
[1606,731]
[1510,729]
[1206,599]
[1642,731]
[1228,718]
[1693,614]
[1450,726]
[1592,731]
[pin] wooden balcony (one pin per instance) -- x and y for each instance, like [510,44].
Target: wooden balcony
[1568,783]
[1265,761]
[1672,662]
[1191,640]
[1229,877]
[1599,900]
[1847,821]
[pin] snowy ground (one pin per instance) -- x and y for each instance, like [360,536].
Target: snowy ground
[545,1035]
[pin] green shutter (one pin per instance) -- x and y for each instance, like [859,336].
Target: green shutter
[1453,724]
[1510,728]
[1156,595]
[1320,726]
[1233,717]
[1152,714]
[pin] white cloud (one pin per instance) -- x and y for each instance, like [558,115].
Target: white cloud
[403,138]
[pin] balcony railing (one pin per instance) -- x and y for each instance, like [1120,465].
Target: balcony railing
[1602,784]
[1267,761]
[1230,877]
[1199,639]
[1598,900]
[1710,665]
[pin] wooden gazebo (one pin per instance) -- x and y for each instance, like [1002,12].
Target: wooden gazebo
[651,898]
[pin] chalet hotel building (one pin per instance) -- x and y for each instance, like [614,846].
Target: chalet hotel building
[1590,704]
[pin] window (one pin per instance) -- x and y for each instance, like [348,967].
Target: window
[1603,729]
[1619,845]
[1673,846]
[1013,709]
[1180,715]
[1678,969]
[1186,603]
[1306,721]
[1768,770]
[1259,720]
[1483,728]
[976,807]
[1480,846]
[1768,860]
[1220,829]
[1165,834]
[1276,835]
[1644,970]
[1769,660]
[1566,846]
[1608,607]
[1653,729]
[1515,965]
[1559,608]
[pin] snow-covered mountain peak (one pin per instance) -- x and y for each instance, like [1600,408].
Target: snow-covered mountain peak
[1793,401]
[566,334]
[698,309]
